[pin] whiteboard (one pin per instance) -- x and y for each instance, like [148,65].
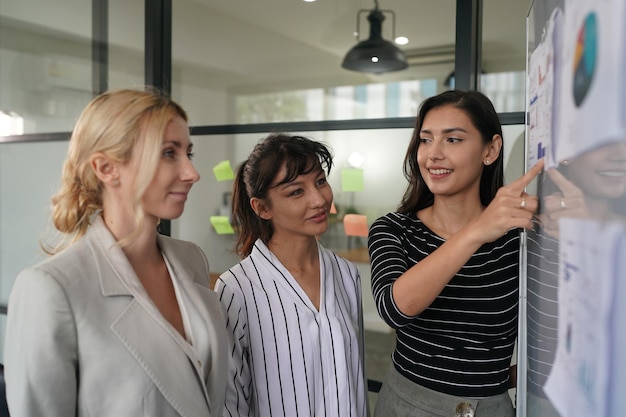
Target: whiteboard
[573,280]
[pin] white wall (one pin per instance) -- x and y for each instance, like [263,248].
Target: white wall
[29,174]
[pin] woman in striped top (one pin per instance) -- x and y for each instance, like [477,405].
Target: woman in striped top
[294,310]
[445,265]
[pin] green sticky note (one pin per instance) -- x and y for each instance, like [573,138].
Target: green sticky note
[223,171]
[352,179]
[222,225]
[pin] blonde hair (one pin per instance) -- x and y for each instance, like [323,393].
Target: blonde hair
[119,124]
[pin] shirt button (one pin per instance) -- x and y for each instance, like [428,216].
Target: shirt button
[464,409]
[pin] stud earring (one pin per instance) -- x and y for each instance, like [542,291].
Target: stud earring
[487,162]
[116,182]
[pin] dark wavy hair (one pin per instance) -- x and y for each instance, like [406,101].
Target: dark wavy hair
[256,175]
[484,117]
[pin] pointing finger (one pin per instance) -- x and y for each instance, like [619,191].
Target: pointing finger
[522,182]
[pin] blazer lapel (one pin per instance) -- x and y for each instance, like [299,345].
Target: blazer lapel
[169,364]
[172,373]
[208,328]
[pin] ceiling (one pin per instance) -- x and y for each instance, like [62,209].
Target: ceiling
[256,46]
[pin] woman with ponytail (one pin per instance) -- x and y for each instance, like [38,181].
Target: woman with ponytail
[120,320]
[294,313]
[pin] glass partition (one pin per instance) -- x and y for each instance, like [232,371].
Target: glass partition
[45,63]
[29,173]
[231,65]
[504,54]
[379,185]
[126,43]
[247,77]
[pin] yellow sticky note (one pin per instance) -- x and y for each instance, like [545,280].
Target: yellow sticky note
[222,225]
[352,179]
[223,171]
[355,225]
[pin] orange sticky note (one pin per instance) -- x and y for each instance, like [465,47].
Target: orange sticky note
[333,209]
[355,225]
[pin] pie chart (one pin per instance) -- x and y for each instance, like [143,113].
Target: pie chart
[585,58]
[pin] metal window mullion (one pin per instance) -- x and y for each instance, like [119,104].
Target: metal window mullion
[99,46]
[468,50]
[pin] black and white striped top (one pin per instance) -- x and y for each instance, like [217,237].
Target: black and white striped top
[288,358]
[463,342]
[542,273]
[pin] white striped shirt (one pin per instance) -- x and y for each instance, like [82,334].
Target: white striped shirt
[288,358]
[463,342]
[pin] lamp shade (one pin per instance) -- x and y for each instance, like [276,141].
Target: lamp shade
[375,54]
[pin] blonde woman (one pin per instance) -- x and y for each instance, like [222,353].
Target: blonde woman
[120,321]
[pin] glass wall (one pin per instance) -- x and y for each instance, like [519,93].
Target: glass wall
[24,216]
[504,54]
[369,101]
[45,64]
[126,54]
[233,70]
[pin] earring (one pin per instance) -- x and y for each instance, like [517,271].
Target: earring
[487,162]
[116,182]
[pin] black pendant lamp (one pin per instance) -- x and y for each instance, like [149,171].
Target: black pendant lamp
[375,54]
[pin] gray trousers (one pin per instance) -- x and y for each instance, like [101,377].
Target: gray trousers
[400,397]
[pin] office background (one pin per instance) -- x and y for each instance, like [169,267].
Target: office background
[243,69]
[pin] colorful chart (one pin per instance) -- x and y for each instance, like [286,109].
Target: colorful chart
[585,57]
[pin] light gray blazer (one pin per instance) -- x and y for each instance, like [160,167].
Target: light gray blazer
[84,339]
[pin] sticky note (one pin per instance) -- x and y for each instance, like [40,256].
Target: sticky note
[223,171]
[355,225]
[222,225]
[352,179]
